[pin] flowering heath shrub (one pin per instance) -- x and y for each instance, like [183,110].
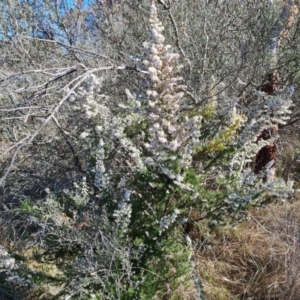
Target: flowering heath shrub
[149,160]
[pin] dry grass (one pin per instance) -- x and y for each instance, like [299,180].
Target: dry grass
[257,260]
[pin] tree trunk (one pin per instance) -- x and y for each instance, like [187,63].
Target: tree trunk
[266,158]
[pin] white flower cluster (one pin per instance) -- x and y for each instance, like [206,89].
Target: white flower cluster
[249,189]
[113,139]
[87,93]
[102,178]
[6,261]
[265,113]
[110,131]
[169,133]
[18,281]
[81,195]
[278,106]
[168,220]
[9,267]
[122,215]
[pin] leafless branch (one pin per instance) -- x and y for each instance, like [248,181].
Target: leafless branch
[24,108]
[12,162]
[69,88]
[73,48]
[289,167]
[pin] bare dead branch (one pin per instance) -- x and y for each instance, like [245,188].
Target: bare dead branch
[24,108]
[289,167]
[73,48]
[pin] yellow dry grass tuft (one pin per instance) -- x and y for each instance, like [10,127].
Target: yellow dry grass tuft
[257,259]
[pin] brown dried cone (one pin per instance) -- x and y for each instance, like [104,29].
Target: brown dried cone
[268,154]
